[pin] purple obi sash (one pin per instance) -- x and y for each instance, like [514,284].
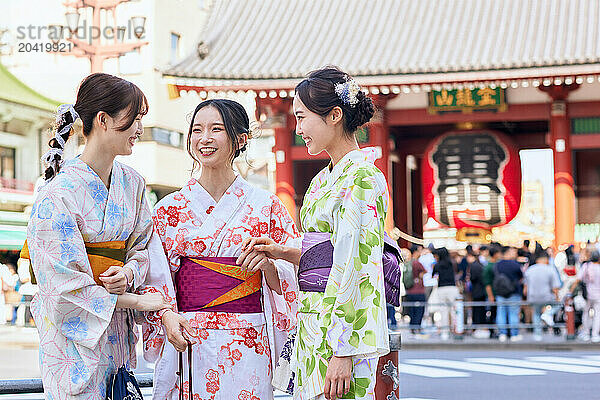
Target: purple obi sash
[217,284]
[316,260]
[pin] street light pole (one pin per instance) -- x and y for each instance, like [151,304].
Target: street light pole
[94,49]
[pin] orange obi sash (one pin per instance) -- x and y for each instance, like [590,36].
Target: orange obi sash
[102,255]
[217,284]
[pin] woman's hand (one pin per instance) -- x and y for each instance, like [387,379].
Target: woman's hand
[255,261]
[262,244]
[151,302]
[142,302]
[179,330]
[337,377]
[269,248]
[115,279]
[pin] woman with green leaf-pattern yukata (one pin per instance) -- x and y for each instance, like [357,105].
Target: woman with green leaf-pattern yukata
[342,331]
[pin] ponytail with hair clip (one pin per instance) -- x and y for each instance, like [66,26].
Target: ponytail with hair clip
[52,159]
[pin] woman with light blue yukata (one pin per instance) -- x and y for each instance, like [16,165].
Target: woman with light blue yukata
[87,241]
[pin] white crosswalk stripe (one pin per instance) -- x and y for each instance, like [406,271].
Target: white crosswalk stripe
[567,360]
[476,367]
[414,398]
[431,372]
[576,369]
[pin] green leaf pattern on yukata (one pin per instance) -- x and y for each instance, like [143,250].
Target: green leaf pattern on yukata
[350,202]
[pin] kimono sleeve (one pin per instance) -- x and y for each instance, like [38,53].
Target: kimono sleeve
[137,254]
[284,232]
[354,317]
[158,280]
[68,295]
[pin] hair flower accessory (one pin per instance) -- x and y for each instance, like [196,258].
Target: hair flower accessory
[348,91]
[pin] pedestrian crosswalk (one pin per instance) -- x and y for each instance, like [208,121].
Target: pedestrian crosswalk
[527,366]
[567,360]
[513,366]
[575,369]
[430,372]
[476,367]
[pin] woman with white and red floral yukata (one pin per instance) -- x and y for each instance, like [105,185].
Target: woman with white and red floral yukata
[235,317]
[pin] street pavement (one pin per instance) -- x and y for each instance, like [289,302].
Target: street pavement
[430,369]
[499,375]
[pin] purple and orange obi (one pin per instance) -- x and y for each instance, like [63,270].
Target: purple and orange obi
[217,284]
[316,260]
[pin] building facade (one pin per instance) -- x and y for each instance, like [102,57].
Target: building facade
[527,69]
[25,117]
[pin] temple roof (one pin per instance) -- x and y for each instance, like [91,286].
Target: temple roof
[253,42]
[15,91]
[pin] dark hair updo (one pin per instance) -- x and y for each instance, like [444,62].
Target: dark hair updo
[98,92]
[317,93]
[236,121]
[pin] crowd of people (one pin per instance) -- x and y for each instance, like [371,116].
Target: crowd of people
[506,290]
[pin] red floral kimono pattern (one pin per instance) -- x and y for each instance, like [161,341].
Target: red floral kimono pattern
[235,353]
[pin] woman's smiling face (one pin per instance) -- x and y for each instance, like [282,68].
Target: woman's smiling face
[314,129]
[210,143]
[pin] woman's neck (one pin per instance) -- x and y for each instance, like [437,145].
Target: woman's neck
[99,160]
[341,147]
[216,181]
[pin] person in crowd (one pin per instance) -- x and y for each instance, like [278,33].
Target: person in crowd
[27,289]
[417,292]
[427,260]
[474,282]
[8,284]
[541,286]
[462,264]
[508,294]
[445,270]
[430,282]
[525,256]
[494,255]
[484,255]
[589,274]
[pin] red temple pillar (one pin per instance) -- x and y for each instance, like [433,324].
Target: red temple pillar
[564,195]
[379,137]
[417,198]
[280,119]
[400,190]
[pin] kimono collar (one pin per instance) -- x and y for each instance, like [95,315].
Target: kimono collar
[194,191]
[359,156]
[116,173]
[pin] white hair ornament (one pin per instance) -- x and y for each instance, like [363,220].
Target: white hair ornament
[347,91]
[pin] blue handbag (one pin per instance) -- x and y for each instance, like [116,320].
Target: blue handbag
[123,385]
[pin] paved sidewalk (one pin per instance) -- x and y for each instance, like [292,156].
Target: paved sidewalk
[18,336]
[466,341]
[27,337]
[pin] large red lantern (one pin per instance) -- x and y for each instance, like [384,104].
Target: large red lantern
[472,179]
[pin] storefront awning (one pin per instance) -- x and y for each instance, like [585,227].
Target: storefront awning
[12,237]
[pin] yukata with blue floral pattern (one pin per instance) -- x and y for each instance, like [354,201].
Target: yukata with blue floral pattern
[83,337]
